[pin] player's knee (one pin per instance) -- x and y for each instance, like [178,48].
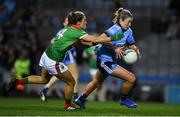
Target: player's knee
[132,78]
[43,81]
[72,82]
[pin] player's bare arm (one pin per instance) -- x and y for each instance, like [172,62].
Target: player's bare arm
[100,39]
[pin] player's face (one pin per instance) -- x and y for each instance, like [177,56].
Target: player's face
[126,23]
[83,23]
[65,23]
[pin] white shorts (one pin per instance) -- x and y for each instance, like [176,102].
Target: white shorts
[52,66]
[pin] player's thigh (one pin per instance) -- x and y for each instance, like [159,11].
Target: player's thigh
[73,69]
[99,77]
[45,74]
[122,73]
[66,77]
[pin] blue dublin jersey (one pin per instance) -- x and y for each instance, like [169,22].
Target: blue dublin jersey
[70,57]
[127,39]
[107,54]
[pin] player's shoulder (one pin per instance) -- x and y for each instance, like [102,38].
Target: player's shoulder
[82,33]
[116,27]
[82,30]
[129,30]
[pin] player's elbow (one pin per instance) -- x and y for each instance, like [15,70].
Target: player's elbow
[71,82]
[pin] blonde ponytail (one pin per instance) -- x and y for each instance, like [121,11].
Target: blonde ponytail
[121,13]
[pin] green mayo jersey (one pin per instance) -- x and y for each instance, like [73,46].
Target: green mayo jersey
[64,40]
[92,56]
[90,50]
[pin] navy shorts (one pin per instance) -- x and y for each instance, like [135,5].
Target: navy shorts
[106,67]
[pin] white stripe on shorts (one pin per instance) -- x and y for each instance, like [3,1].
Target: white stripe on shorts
[106,68]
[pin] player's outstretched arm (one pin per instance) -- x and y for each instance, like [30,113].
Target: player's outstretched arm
[95,40]
[102,39]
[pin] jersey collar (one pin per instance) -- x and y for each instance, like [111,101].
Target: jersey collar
[74,26]
[121,27]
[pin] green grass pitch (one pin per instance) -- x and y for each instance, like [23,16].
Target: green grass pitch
[54,107]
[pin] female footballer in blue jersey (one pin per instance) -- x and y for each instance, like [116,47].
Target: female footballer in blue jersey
[107,56]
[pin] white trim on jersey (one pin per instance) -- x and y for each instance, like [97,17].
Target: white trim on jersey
[83,36]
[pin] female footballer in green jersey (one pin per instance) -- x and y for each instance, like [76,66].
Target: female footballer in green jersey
[51,61]
[70,62]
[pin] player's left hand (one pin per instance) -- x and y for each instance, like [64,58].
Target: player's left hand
[119,52]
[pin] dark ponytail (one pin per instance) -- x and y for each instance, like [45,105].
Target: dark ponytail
[74,17]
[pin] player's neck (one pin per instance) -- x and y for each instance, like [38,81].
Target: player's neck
[121,27]
[74,26]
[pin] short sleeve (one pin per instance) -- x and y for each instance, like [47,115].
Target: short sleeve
[127,39]
[113,30]
[82,34]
